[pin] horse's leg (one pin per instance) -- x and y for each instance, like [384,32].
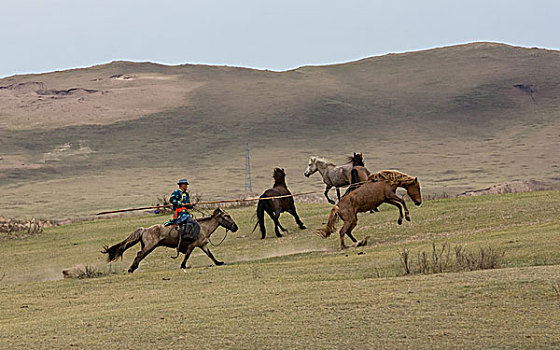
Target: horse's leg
[277,224]
[346,229]
[403,202]
[210,255]
[147,249]
[190,248]
[349,232]
[396,204]
[296,216]
[327,194]
[274,215]
[337,194]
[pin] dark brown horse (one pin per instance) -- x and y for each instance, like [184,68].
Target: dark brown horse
[277,205]
[368,197]
[337,175]
[358,173]
[168,236]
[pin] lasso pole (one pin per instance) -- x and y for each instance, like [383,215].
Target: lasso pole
[209,202]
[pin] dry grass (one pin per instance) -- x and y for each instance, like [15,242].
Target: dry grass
[440,259]
[272,293]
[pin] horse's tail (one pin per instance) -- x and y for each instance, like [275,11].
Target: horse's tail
[260,217]
[331,223]
[118,249]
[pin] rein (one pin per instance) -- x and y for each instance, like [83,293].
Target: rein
[222,241]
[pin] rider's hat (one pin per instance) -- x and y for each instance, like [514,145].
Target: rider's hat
[182,181]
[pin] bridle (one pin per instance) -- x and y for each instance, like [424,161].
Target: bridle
[222,219]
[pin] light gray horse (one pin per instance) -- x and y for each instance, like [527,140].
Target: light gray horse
[333,175]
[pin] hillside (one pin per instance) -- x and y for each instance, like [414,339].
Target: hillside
[120,134]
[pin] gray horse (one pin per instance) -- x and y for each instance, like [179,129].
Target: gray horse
[334,175]
[168,236]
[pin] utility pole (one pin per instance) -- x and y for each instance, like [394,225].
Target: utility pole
[248,180]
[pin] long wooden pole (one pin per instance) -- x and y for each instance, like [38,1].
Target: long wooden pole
[210,202]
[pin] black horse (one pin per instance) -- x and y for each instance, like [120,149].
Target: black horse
[358,173]
[276,206]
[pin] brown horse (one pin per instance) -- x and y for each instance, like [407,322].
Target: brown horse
[277,205]
[168,236]
[336,175]
[368,197]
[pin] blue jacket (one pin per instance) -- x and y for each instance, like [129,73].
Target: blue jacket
[179,198]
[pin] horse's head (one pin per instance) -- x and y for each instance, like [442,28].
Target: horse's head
[413,191]
[357,159]
[225,220]
[279,174]
[311,167]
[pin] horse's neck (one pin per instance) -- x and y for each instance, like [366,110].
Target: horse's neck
[209,226]
[280,183]
[323,167]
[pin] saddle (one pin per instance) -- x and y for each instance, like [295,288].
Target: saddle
[188,233]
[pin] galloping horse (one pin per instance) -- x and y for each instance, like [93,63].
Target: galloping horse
[337,175]
[277,205]
[159,235]
[368,197]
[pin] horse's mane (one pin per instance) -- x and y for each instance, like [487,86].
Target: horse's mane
[323,160]
[394,177]
[350,159]
[206,218]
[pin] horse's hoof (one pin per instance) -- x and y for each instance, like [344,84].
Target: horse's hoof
[400,221]
[408,218]
[219,263]
[302,227]
[332,202]
[363,242]
[130,270]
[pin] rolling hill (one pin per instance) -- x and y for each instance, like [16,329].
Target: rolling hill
[120,134]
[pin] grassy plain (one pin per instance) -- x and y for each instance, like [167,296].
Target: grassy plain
[299,291]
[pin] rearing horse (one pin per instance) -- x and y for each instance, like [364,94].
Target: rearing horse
[337,175]
[368,197]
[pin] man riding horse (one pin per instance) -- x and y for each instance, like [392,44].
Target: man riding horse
[187,225]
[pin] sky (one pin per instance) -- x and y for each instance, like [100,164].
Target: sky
[48,35]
